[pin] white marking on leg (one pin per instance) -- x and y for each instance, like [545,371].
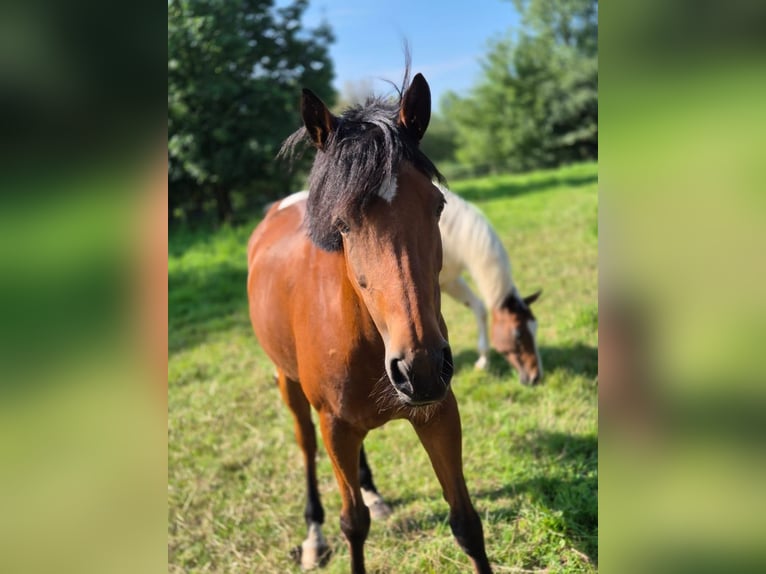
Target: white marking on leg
[370,497]
[313,547]
[480,312]
[294,198]
[378,507]
[481,321]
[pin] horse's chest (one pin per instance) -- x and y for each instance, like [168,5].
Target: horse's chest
[345,380]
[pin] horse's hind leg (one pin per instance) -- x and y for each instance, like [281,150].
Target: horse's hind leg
[442,438]
[314,551]
[379,510]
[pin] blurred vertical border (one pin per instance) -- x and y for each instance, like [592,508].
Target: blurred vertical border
[682,268]
[83,287]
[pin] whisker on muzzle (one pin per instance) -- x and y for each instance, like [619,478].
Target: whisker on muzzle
[387,399]
[384,395]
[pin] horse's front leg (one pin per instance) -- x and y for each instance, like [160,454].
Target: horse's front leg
[343,443]
[314,551]
[379,510]
[441,436]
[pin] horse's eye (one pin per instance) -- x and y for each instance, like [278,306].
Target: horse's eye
[440,208]
[342,226]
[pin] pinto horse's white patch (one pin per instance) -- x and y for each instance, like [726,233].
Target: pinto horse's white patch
[294,198]
[388,190]
[314,547]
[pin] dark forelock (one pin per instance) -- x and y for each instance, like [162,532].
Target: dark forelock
[361,154]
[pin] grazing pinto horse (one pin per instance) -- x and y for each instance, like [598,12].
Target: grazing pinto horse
[470,244]
[344,299]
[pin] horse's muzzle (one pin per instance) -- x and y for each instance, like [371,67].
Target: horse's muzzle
[530,377]
[421,377]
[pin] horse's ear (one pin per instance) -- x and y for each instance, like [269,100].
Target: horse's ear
[415,112]
[529,299]
[317,118]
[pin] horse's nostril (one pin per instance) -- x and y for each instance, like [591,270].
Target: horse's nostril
[399,373]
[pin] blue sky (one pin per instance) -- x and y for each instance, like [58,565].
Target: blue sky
[447,39]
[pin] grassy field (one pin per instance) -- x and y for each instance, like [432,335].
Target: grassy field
[235,499]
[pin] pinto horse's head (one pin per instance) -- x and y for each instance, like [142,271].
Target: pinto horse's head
[514,333]
[371,196]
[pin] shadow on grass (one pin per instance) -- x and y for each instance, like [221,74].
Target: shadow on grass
[465,361]
[181,240]
[571,490]
[514,189]
[577,359]
[201,304]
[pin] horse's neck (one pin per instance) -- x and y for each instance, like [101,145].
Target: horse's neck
[471,244]
[491,271]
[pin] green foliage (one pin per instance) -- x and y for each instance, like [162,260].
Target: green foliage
[537,103]
[440,141]
[235,477]
[235,71]
[572,23]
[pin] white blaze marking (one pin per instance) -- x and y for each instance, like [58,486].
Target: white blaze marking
[294,198]
[388,190]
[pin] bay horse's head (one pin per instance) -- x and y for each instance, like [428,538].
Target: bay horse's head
[371,196]
[514,333]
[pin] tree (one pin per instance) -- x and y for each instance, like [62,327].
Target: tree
[563,45]
[235,71]
[440,141]
[537,103]
[571,23]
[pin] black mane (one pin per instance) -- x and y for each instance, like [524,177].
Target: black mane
[361,154]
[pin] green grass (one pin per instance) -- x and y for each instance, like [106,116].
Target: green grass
[235,472]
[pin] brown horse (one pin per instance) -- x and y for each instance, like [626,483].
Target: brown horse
[344,299]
